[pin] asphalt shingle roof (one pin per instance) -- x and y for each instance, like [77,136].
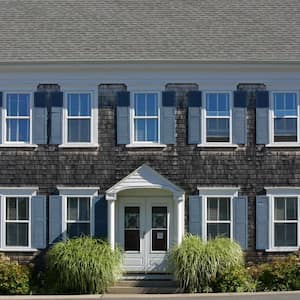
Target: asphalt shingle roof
[133,30]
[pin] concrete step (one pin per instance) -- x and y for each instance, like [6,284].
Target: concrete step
[143,290]
[147,283]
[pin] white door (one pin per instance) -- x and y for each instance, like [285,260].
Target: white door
[145,227]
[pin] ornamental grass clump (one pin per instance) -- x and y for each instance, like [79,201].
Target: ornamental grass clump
[197,264]
[82,265]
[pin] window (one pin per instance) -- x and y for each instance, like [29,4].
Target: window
[218,217]
[78,216]
[285,117]
[146,118]
[17,222]
[17,118]
[217,127]
[79,118]
[285,221]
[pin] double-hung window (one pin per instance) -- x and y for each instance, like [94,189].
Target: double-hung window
[79,118]
[17,222]
[18,127]
[78,216]
[217,121]
[285,221]
[145,118]
[285,117]
[218,221]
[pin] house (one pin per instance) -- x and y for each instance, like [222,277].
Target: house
[138,121]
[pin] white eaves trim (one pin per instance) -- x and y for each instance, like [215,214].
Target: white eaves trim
[78,191]
[219,190]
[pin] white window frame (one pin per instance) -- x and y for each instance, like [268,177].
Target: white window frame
[284,192]
[216,192]
[5,142]
[93,120]
[204,117]
[134,143]
[80,192]
[26,192]
[272,117]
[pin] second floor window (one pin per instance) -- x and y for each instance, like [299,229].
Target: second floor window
[217,116]
[79,115]
[18,118]
[285,117]
[146,118]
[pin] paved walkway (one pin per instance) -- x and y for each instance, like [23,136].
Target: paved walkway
[235,296]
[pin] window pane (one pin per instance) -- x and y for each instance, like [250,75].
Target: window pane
[23,127]
[152,104]
[79,130]
[11,130]
[11,208]
[84,209]
[73,104]
[159,217]
[152,130]
[132,218]
[85,105]
[279,209]
[291,209]
[17,234]
[72,210]
[285,130]
[218,229]
[217,130]
[285,104]
[140,104]
[12,104]
[23,208]
[224,209]
[285,235]
[78,229]
[217,104]
[140,130]
[212,209]
[23,105]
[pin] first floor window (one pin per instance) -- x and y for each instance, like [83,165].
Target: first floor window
[78,216]
[17,221]
[146,117]
[217,107]
[79,115]
[218,217]
[18,117]
[285,221]
[285,117]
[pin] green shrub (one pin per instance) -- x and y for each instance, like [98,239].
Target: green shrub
[14,278]
[197,264]
[278,275]
[82,265]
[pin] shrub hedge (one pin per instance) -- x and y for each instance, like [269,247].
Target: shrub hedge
[82,265]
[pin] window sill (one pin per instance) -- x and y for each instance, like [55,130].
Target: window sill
[282,145]
[79,145]
[18,249]
[283,249]
[214,145]
[146,146]
[18,145]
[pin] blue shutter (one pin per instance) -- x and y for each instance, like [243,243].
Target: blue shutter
[239,118]
[1,102]
[262,222]
[168,118]
[262,117]
[123,117]
[100,216]
[56,118]
[55,219]
[194,117]
[39,118]
[240,221]
[195,215]
[38,222]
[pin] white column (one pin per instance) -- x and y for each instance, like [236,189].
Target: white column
[111,222]
[180,217]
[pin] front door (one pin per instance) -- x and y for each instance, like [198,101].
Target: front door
[145,226]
